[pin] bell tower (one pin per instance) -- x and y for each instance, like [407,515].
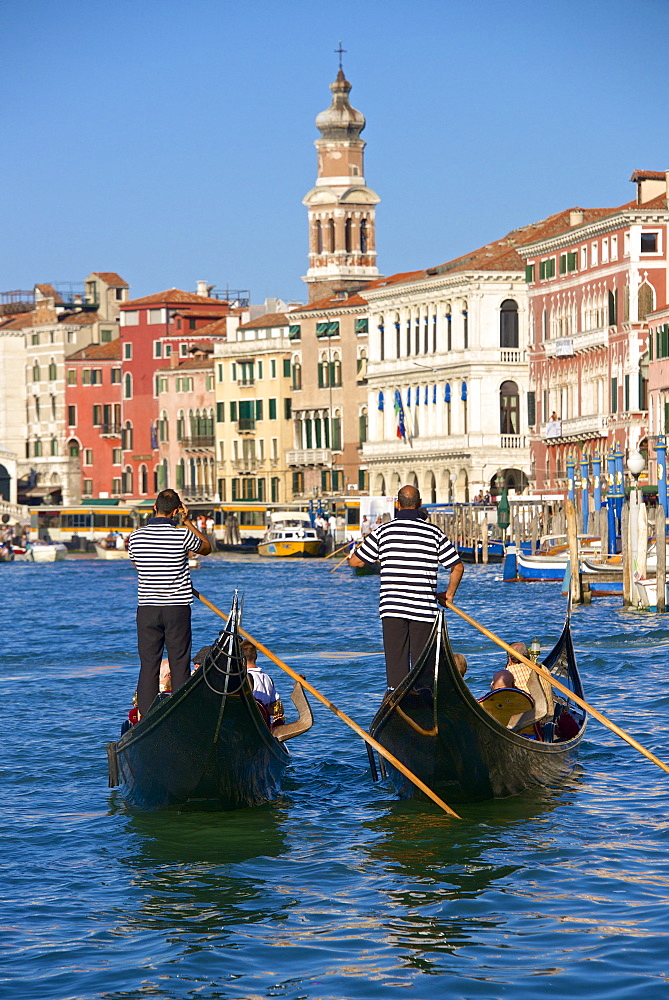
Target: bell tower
[342,209]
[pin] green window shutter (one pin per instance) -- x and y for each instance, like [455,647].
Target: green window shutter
[286,367]
[551,267]
[336,434]
[563,263]
[334,329]
[322,329]
[542,270]
[531,409]
[287,408]
[258,409]
[272,409]
[235,489]
[614,395]
[233,411]
[627,393]
[220,412]
[294,331]
[246,409]
[650,346]
[320,376]
[234,372]
[331,373]
[362,325]
[529,273]
[572,261]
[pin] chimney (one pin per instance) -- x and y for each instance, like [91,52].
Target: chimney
[576,217]
[202,288]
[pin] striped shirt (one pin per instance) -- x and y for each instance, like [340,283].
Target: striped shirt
[160,550]
[410,551]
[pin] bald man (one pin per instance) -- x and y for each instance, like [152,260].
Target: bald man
[410,551]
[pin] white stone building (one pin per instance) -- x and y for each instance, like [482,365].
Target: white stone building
[450,345]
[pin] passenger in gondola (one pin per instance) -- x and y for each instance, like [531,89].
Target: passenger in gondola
[502,679]
[264,691]
[461,663]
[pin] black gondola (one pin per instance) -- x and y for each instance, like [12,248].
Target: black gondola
[436,727]
[208,741]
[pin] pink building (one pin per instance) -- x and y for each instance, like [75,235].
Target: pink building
[594,278]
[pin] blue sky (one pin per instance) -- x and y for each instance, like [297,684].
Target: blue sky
[172,140]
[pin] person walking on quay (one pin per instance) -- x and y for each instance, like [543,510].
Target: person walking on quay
[159,551]
[410,551]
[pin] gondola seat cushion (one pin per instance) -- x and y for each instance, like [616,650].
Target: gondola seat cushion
[507,705]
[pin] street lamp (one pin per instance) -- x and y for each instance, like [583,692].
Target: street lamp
[636,463]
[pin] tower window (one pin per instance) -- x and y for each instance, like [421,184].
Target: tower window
[347,235]
[331,227]
[319,237]
[363,236]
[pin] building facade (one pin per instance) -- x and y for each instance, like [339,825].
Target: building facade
[186,426]
[254,421]
[447,377]
[93,418]
[595,277]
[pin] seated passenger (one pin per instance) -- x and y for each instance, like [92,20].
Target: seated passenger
[165,677]
[461,663]
[198,659]
[502,679]
[264,691]
[521,648]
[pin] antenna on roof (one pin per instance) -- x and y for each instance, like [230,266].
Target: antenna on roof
[340,52]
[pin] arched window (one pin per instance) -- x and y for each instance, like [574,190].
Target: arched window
[508,324]
[127,479]
[319,236]
[336,371]
[347,235]
[127,386]
[331,228]
[509,408]
[54,446]
[53,371]
[143,480]
[164,427]
[613,308]
[180,427]
[36,372]
[646,297]
[127,436]
[181,474]
[297,375]
[37,450]
[363,236]
[363,425]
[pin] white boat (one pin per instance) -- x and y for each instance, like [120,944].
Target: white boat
[104,551]
[290,534]
[193,561]
[43,552]
[646,594]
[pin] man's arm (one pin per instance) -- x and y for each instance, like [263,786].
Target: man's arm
[453,583]
[205,548]
[354,560]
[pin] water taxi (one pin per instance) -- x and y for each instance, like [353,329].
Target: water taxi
[290,534]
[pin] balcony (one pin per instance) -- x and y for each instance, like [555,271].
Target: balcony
[309,456]
[247,464]
[512,441]
[246,381]
[566,347]
[246,425]
[508,355]
[110,430]
[198,442]
[576,429]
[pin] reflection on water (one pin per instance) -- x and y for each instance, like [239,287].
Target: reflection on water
[337,890]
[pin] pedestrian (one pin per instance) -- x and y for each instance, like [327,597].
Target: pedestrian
[159,551]
[365,526]
[410,551]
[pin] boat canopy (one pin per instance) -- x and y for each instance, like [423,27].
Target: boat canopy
[291,518]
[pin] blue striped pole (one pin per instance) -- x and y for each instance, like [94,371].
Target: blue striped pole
[661,452]
[584,493]
[597,483]
[570,477]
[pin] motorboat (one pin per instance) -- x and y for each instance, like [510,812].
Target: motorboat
[43,552]
[290,533]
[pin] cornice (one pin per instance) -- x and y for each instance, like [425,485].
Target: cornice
[599,227]
[471,279]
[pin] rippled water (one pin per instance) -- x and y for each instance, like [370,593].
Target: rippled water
[336,890]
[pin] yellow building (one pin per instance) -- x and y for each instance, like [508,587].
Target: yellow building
[254,420]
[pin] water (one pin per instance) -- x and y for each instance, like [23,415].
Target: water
[336,890]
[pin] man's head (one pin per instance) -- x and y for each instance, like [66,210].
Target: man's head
[521,648]
[249,652]
[502,679]
[461,663]
[408,498]
[167,502]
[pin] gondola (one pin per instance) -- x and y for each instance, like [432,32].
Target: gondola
[208,742]
[465,750]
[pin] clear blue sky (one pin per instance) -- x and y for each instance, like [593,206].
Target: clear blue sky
[172,140]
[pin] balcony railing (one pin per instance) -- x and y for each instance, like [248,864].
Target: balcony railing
[246,424]
[246,464]
[110,430]
[512,441]
[309,456]
[246,381]
[593,425]
[199,441]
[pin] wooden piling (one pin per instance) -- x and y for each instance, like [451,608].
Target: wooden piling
[661,545]
[484,530]
[627,555]
[572,536]
[604,531]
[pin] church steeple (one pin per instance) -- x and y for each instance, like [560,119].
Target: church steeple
[342,215]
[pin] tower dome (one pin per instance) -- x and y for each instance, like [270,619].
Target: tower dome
[340,120]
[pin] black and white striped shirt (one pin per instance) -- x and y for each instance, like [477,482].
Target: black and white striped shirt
[160,550]
[410,552]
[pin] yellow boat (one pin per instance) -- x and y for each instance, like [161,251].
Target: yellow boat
[290,534]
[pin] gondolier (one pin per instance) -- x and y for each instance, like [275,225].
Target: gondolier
[410,551]
[160,550]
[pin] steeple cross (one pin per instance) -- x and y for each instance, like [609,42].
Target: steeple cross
[340,52]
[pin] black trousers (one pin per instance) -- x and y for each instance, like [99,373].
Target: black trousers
[403,642]
[159,626]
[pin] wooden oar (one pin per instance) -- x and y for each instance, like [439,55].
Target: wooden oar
[340,563]
[333,708]
[557,684]
[337,551]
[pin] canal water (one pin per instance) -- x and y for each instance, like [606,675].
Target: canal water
[336,891]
